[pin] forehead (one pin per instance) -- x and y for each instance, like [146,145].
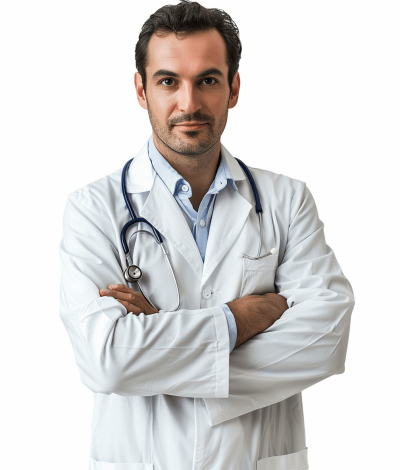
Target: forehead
[189,55]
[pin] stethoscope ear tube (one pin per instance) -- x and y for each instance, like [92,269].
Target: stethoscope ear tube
[252,184]
[123,188]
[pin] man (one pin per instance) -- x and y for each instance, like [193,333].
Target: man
[216,382]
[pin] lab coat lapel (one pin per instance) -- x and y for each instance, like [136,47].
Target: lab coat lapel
[231,211]
[162,210]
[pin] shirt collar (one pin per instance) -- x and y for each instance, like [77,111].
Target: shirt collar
[173,180]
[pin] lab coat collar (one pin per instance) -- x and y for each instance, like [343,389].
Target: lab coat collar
[141,174]
[234,167]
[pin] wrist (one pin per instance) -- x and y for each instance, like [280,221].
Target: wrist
[255,313]
[248,317]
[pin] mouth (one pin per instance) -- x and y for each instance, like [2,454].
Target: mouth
[191,126]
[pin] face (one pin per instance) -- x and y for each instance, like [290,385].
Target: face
[187,91]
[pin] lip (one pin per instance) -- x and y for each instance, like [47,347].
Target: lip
[191,125]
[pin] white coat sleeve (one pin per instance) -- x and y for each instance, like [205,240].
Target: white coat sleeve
[183,353]
[309,342]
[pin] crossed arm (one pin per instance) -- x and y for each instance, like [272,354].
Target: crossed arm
[306,345]
[253,313]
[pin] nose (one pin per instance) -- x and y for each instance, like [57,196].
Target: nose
[189,99]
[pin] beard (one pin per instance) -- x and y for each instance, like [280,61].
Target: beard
[195,142]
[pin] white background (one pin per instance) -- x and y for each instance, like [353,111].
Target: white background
[319,102]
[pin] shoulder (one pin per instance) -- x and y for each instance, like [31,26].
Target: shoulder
[100,194]
[277,185]
[283,194]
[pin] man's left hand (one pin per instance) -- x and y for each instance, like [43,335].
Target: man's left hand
[133,301]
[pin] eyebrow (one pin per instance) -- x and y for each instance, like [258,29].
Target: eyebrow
[163,73]
[212,71]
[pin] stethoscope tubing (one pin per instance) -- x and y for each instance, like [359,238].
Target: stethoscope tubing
[134,219]
[157,235]
[253,185]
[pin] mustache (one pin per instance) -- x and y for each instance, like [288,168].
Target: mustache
[197,116]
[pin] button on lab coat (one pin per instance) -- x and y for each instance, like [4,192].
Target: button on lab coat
[167,393]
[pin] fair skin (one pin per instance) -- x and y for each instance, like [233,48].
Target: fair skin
[187,97]
[188,105]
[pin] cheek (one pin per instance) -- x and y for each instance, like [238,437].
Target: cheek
[218,104]
[162,107]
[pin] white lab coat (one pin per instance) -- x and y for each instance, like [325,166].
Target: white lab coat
[167,393]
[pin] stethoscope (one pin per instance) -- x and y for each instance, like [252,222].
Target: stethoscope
[133,273]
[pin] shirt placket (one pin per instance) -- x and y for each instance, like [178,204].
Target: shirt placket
[201,233]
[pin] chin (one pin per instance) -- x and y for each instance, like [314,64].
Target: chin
[190,148]
[192,134]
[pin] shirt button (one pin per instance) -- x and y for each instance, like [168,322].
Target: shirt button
[202,223]
[206,294]
[185,188]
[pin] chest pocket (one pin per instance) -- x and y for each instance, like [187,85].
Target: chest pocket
[258,276]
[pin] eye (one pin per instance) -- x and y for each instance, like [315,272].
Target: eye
[209,81]
[167,81]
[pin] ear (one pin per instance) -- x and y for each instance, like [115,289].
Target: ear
[234,96]
[140,93]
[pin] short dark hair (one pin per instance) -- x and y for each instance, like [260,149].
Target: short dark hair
[184,19]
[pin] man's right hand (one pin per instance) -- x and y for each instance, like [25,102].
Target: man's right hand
[133,301]
[256,313]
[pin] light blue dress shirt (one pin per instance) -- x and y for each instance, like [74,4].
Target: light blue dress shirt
[199,221]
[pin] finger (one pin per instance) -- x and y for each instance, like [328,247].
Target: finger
[104,292]
[130,308]
[124,303]
[133,297]
[120,288]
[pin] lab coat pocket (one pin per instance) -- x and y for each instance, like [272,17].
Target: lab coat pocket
[98,465]
[296,461]
[258,275]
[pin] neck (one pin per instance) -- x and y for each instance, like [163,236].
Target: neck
[198,170]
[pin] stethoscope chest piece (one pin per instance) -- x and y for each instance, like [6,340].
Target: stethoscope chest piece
[133,273]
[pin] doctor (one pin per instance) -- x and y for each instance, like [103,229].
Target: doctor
[216,382]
